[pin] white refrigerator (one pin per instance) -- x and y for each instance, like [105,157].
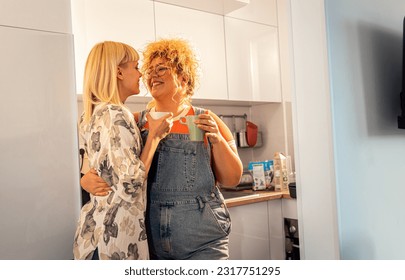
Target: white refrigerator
[39,163]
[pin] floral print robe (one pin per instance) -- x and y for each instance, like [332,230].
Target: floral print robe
[115,224]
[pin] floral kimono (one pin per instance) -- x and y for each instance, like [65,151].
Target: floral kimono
[113,224]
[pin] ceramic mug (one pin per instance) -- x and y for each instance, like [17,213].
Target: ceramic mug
[158,115]
[196,134]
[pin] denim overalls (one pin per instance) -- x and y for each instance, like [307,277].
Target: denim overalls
[186,214]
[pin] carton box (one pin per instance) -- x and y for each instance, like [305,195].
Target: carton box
[280,172]
[258,177]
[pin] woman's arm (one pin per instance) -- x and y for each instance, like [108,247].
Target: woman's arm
[114,148]
[96,185]
[227,165]
[158,129]
[89,180]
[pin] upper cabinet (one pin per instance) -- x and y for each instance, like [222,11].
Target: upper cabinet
[205,31]
[221,7]
[94,21]
[253,62]
[260,11]
[237,48]
[45,15]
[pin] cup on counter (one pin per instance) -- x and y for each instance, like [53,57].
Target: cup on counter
[195,133]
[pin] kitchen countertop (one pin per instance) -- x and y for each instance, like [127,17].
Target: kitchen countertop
[236,198]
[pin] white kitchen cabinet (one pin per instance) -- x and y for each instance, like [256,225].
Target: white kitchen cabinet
[253,63]
[49,15]
[249,238]
[93,21]
[289,208]
[257,231]
[260,11]
[276,229]
[205,31]
[221,7]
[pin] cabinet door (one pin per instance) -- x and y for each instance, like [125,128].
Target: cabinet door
[276,229]
[94,21]
[47,15]
[205,32]
[249,237]
[260,11]
[252,61]
[212,6]
[290,208]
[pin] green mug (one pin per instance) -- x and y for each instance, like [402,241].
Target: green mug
[196,134]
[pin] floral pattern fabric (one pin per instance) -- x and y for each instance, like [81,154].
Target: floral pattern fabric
[115,224]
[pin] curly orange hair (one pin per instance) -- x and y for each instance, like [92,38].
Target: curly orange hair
[180,57]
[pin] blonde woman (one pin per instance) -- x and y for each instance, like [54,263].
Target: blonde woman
[186,217]
[113,226]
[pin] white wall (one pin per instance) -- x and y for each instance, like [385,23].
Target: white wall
[347,79]
[365,55]
[316,196]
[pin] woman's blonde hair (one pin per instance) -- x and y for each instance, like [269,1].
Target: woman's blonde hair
[100,74]
[180,57]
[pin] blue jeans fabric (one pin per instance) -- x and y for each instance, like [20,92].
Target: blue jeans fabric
[186,214]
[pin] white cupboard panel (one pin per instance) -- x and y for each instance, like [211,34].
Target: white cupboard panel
[205,32]
[276,229]
[212,6]
[249,238]
[290,208]
[260,11]
[39,194]
[252,61]
[48,15]
[94,21]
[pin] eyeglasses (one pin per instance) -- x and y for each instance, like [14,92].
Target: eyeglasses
[160,70]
